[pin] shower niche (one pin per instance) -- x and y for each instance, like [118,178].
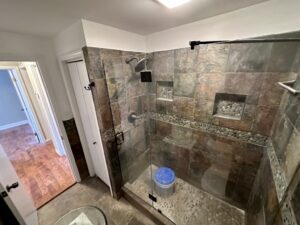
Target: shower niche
[164,90]
[229,106]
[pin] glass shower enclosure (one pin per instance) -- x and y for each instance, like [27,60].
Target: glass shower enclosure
[207,115]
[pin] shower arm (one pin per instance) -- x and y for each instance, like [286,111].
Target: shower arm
[239,41]
[131,59]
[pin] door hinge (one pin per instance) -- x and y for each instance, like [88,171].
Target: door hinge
[153,198]
[37,137]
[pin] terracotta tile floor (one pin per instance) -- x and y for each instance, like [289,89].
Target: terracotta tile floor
[44,173]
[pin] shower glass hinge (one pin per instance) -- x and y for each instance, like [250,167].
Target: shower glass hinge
[119,138]
[153,198]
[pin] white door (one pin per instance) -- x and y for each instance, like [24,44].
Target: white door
[16,198]
[88,116]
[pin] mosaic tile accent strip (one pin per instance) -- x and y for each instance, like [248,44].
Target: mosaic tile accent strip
[278,174]
[244,136]
[287,213]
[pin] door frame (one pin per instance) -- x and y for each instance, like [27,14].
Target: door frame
[63,60]
[59,125]
[46,107]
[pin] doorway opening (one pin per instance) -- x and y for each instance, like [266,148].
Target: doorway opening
[29,133]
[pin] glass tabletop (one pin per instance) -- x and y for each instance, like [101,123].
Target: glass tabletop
[87,215]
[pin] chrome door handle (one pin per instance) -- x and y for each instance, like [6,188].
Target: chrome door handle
[12,186]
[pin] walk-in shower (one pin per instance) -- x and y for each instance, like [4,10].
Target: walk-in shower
[217,119]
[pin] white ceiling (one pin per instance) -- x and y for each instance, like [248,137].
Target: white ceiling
[47,17]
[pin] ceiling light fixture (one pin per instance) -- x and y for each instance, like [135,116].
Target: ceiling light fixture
[173,3]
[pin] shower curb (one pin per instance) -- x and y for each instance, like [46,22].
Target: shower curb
[145,208]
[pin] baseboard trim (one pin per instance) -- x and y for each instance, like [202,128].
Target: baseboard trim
[11,125]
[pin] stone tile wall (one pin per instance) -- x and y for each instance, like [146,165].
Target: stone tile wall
[117,93]
[245,69]
[127,94]
[212,151]
[221,166]
[76,147]
[285,135]
[276,195]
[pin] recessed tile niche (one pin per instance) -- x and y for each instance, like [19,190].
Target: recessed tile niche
[229,106]
[164,90]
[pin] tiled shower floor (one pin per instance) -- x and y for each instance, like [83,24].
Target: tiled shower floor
[188,205]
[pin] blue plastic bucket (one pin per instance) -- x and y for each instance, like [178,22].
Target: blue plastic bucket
[164,179]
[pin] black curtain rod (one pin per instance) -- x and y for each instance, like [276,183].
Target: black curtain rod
[195,43]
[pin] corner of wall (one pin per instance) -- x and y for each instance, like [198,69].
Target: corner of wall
[103,36]
[70,40]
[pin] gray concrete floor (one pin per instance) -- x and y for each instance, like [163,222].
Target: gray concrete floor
[95,193]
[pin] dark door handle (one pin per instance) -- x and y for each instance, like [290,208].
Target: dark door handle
[88,88]
[14,185]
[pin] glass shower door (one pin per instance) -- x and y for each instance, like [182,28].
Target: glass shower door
[129,104]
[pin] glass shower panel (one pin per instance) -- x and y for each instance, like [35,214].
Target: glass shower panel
[129,105]
[214,109]
[207,117]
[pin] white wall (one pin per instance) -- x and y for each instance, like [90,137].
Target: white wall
[70,40]
[102,36]
[91,34]
[10,105]
[21,47]
[271,17]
